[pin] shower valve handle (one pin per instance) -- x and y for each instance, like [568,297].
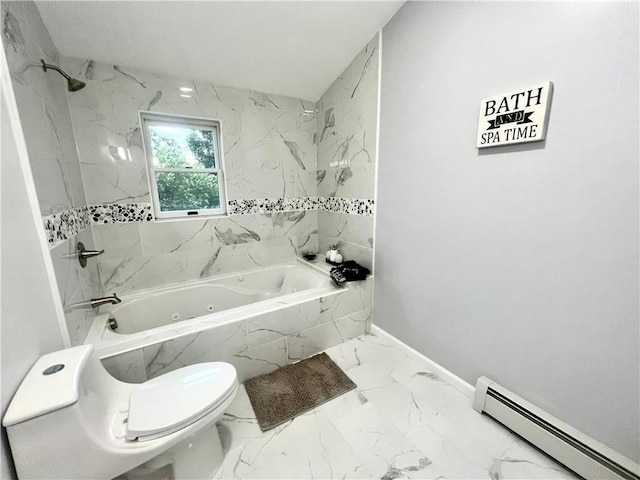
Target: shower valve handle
[83,254]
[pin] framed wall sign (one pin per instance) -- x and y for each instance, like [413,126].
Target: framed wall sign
[515,117]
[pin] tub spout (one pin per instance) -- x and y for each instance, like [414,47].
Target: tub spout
[96,302]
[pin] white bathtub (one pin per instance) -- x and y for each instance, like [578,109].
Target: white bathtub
[152,316]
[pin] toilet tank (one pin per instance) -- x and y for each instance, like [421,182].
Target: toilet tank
[58,421]
[51,384]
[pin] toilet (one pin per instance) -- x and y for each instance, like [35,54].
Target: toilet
[70,419]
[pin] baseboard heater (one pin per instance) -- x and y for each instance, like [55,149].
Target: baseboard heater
[578,452]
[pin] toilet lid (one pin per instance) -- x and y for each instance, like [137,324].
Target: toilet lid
[176,399]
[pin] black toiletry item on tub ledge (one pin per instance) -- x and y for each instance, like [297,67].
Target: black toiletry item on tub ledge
[348,271]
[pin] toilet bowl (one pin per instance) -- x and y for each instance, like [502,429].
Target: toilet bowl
[70,419]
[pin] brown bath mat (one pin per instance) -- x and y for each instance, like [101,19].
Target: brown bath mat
[295,389]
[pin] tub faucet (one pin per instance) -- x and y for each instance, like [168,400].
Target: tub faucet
[96,302]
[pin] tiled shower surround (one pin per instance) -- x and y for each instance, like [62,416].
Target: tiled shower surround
[279,204]
[295,181]
[46,124]
[346,141]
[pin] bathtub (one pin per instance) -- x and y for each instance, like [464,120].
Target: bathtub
[158,315]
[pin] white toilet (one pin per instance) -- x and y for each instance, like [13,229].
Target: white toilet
[70,419]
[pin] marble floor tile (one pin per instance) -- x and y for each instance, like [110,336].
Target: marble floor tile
[402,421]
[383,448]
[308,446]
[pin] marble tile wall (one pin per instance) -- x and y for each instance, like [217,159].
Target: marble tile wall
[76,285]
[42,103]
[46,123]
[346,129]
[257,345]
[148,254]
[268,141]
[269,155]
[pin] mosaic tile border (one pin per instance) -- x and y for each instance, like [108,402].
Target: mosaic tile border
[120,213]
[354,206]
[271,205]
[62,226]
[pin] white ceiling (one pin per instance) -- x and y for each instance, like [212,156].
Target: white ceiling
[295,48]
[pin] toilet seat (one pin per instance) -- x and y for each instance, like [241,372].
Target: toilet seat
[177,399]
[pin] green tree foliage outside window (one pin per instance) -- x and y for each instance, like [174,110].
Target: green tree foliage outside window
[185,190]
[201,145]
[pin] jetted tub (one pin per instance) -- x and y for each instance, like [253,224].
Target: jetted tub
[156,315]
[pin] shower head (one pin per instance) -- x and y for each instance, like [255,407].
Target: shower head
[73,84]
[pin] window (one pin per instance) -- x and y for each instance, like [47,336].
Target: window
[184,162]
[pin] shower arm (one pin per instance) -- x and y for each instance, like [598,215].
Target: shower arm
[73,84]
[54,67]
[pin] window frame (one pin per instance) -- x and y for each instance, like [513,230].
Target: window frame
[148,119]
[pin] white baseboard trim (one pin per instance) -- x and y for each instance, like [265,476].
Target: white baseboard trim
[452,379]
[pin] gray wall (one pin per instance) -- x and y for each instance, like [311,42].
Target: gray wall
[28,309]
[519,263]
